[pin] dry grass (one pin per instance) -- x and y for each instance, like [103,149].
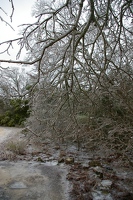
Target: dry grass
[17,147]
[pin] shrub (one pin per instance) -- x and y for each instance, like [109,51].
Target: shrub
[16,113]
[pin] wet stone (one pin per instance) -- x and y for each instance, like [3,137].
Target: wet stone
[99,171]
[18,185]
[106,183]
[85,165]
[69,160]
[99,195]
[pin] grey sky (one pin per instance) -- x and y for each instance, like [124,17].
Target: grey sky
[22,15]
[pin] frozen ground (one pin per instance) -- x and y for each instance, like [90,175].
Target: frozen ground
[23,180]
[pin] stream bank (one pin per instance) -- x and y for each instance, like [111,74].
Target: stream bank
[89,175]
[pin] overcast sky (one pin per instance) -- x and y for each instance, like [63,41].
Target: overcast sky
[22,15]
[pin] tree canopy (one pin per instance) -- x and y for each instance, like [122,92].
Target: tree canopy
[78,34]
[82,52]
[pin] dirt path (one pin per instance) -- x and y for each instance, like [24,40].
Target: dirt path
[27,180]
[7,133]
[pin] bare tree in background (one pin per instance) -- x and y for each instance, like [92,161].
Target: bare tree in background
[75,45]
[13,82]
